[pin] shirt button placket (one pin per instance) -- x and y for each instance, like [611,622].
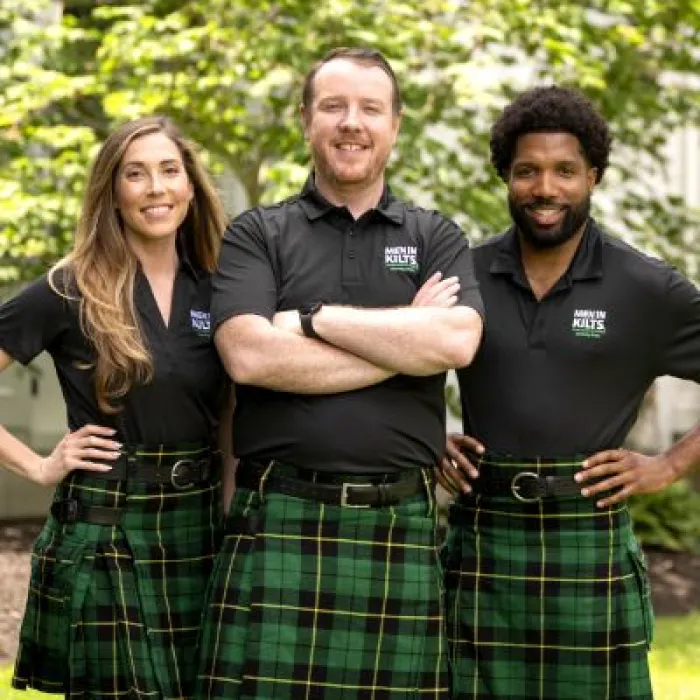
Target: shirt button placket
[350,270]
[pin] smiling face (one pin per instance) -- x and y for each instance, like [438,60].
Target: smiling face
[152,190]
[549,188]
[350,127]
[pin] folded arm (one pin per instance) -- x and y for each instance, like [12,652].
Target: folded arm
[418,341]
[256,352]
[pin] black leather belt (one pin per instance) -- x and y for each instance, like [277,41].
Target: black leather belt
[527,487]
[181,473]
[70,510]
[350,494]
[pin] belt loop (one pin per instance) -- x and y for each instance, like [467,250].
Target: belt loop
[68,528]
[130,453]
[429,490]
[263,479]
[131,463]
[131,459]
[479,461]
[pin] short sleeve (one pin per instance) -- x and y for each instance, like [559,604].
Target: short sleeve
[447,251]
[244,282]
[680,356]
[31,321]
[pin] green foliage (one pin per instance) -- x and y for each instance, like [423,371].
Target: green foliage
[230,73]
[669,519]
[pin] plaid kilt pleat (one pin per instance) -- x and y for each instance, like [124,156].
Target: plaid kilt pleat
[310,600]
[548,600]
[115,611]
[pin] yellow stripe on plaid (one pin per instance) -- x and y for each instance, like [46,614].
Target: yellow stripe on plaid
[554,647]
[317,592]
[385,597]
[543,564]
[347,540]
[552,516]
[339,611]
[345,686]
[561,579]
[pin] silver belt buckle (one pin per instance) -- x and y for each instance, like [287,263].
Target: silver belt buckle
[174,472]
[344,494]
[515,487]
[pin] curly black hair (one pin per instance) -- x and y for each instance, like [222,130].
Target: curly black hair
[550,109]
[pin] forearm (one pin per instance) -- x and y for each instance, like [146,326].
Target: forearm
[684,456]
[413,340]
[280,360]
[18,457]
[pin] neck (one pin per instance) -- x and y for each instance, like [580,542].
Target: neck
[356,198]
[544,266]
[158,259]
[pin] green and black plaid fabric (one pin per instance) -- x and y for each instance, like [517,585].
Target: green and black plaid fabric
[114,611]
[310,600]
[545,601]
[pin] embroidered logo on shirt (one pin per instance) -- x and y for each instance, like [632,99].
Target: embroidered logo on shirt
[588,323]
[401,258]
[201,322]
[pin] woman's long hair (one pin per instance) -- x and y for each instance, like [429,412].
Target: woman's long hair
[102,267]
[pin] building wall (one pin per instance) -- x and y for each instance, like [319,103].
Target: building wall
[31,407]
[678,402]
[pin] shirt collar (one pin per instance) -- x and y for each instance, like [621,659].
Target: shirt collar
[315,205]
[587,263]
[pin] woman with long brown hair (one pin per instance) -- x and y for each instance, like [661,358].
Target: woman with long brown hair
[120,568]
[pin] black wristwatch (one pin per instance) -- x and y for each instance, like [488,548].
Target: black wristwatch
[306,315]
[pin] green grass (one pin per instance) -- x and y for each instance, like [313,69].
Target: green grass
[675,656]
[7,693]
[674,659]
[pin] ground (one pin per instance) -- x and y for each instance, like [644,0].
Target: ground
[675,580]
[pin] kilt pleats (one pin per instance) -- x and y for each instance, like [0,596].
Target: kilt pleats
[547,600]
[115,611]
[310,600]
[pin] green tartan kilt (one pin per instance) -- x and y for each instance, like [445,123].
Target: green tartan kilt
[547,600]
[310,600]
[114,611]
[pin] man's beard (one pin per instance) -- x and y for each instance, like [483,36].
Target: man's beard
[574,218]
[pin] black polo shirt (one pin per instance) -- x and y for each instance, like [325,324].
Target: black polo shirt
[305,249]
[567,374]
[181,404]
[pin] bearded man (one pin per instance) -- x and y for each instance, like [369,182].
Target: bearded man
[547,591]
